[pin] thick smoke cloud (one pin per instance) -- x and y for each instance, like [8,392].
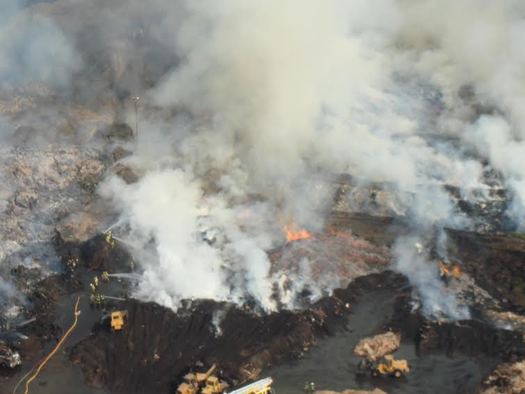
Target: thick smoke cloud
[278,92]
[246,105]
[33,49]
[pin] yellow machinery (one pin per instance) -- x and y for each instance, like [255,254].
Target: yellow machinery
[214,386]
[206,383]
[392,367]
[117,320]
[202,383]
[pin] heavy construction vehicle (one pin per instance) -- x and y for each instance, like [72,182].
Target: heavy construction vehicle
[202,383]
[117,320]
[214,386]
[207,383]
[8,357]
[391,367]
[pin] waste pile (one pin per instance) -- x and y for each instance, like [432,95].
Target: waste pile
[507,378]
[373,348]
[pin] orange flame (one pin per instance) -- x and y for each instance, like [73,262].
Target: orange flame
[453,271]
[294,234]
[456,271]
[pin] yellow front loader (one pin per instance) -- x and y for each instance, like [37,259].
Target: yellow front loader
[391,367]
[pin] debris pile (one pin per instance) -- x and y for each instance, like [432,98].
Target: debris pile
[496,262]
[43,190]
[373,348]
[8,357]
[329,260]
[506,379]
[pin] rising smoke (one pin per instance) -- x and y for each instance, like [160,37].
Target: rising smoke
[270,96]
[33,49]
[277,92]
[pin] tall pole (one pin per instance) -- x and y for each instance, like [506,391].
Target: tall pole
[136,99]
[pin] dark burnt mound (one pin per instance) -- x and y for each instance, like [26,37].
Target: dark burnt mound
[158,345]
[466,337]
[496,262]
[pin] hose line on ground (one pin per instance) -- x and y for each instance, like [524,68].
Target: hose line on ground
[52,353]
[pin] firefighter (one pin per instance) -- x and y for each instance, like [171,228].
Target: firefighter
[97,300]
[108,236]
[309,387]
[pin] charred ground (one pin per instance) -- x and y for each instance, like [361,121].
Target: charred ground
[158,345]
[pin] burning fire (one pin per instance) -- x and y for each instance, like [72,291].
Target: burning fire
[295,234]
[448,271]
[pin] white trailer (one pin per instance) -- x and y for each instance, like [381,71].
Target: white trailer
[262,386]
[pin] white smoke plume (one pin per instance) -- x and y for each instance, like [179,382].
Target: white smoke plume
[33,49]
[269,93]
[248,103]
[436,299]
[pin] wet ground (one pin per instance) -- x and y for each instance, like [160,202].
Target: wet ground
[60,375]
[315,345]
[333,366]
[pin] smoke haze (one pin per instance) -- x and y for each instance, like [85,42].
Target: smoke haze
[254,104]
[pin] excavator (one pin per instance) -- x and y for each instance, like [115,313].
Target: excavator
[202,383]
[207,383]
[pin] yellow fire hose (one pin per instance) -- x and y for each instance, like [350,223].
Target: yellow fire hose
[52,353]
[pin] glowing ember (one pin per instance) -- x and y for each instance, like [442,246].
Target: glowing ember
[294,234]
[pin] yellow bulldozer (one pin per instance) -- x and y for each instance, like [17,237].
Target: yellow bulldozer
[118,320]
[202,383]
[391,367]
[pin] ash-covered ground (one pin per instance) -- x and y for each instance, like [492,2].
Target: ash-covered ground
[260,186]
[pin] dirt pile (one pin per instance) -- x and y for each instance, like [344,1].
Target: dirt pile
[376,229]
[506,379]
[377,346]
[467,337]
[43,189]
[507,320]
[157,345]
[496,262]
[100,253]
[330,260]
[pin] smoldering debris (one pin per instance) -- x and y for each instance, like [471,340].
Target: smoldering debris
[213,132]
[193,68]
